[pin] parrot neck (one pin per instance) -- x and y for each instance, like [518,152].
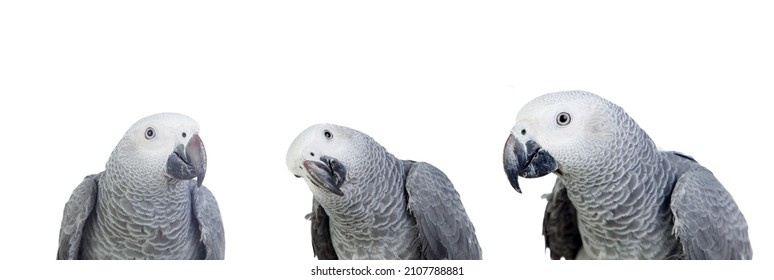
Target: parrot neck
[612,203]
[366,191]
[130,214]
[616,171]
[358,219]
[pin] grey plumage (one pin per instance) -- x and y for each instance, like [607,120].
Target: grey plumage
[617,196]
[367,204]
[146,204]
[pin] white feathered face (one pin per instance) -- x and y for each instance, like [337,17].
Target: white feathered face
[165,145]
[559,132]
[566,124]
[326,155]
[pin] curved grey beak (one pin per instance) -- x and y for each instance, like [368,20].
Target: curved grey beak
[189,161]
[528,161]
[328,173]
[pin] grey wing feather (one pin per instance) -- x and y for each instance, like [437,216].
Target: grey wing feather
[207,214]
[321,234]
[77,214]
[707,221]
[445,230]
[560,225]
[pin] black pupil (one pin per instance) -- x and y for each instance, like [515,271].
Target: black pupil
[563,118]
[184,134]
[149,132]
[327,134]
[523,132]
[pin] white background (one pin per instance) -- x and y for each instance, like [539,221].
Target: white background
[439,82]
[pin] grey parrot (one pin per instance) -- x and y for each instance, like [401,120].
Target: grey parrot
[367,204]
[616,195]
[146,204]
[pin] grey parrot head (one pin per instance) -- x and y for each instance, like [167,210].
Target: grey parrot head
[162,147]
[562,133]
[327,156]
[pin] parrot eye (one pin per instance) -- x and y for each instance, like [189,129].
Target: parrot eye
[563,119]
[328,134]
[184,135]
[523,132]
[150,133]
